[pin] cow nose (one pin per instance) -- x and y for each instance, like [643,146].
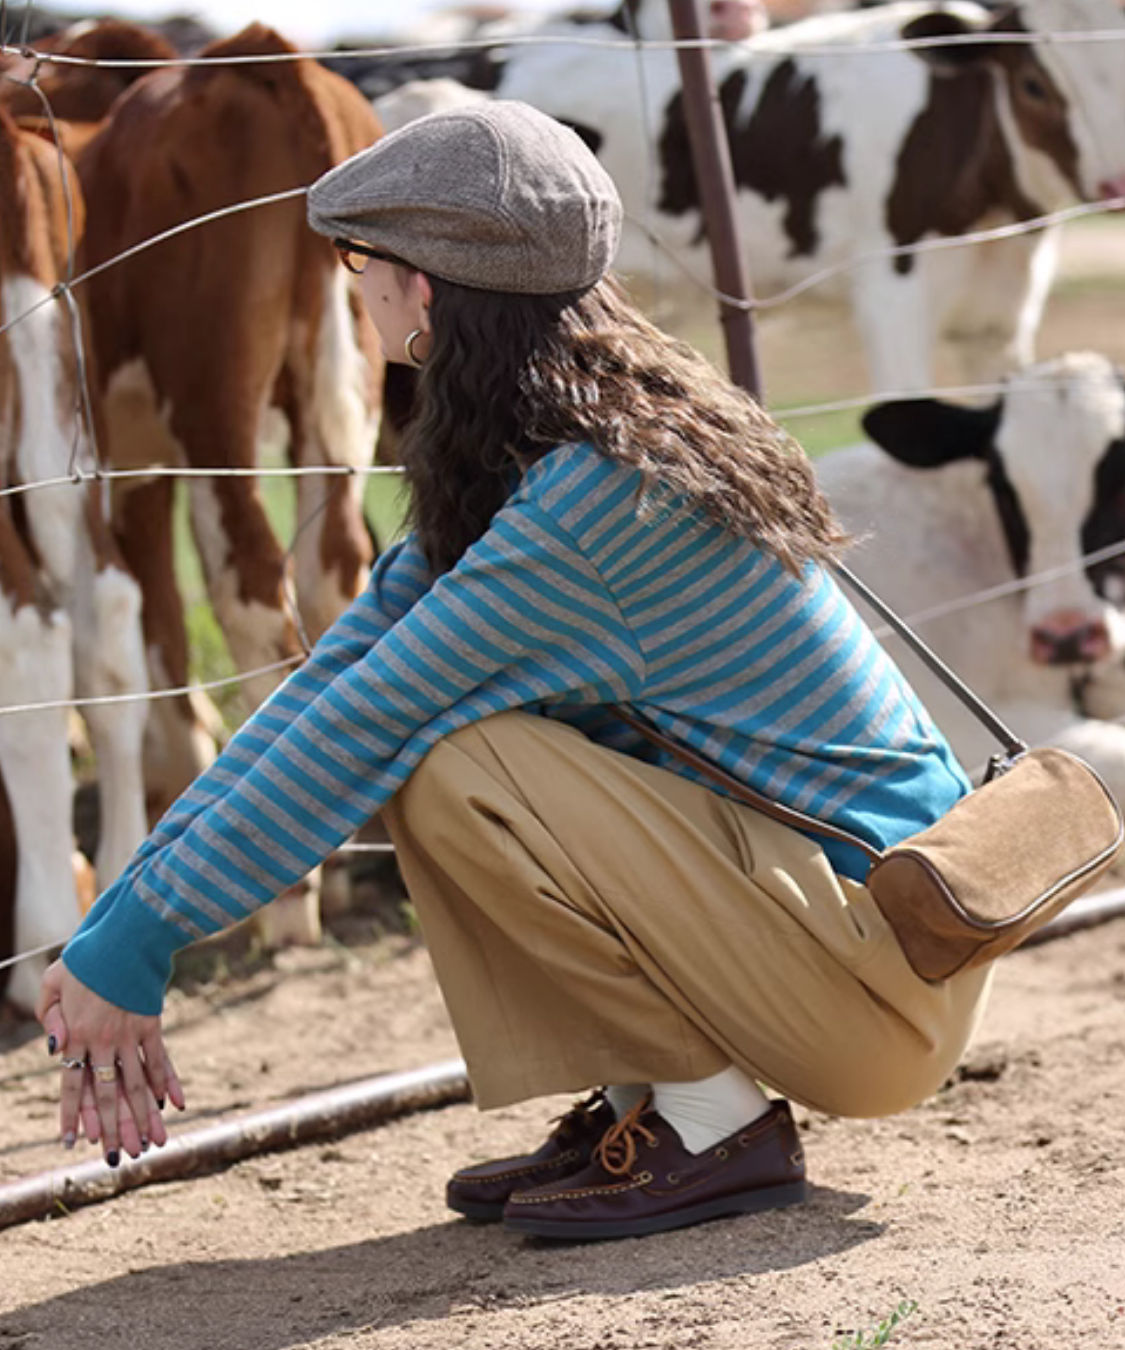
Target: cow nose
[1069,638]
[1109,188]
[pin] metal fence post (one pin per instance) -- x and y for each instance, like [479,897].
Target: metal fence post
[711,155]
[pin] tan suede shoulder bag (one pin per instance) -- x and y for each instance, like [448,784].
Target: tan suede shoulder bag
[999,865]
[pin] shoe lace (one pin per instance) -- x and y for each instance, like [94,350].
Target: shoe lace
[617,1149]
[577,1114]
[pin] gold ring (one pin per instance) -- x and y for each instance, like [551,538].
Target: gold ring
[104,1073]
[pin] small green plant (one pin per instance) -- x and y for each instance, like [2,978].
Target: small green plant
[409,916]
[870,1340]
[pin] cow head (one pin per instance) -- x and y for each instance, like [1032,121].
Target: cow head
[1061,96]
[1053,448]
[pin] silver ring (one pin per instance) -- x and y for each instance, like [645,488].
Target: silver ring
[72,1063]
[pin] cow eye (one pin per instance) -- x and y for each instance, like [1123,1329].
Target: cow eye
[1034,88]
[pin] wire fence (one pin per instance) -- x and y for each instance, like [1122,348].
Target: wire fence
[89,466]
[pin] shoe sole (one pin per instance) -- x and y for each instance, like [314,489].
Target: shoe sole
[770,1197]
[476,1211]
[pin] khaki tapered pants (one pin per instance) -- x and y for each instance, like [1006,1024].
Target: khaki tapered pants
[593,919]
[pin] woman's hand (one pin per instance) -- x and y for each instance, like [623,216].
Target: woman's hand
[135,1138]
[110,1058]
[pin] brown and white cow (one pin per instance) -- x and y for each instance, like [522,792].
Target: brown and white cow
[199,337]
[69,612]
[82,94]
[846,146]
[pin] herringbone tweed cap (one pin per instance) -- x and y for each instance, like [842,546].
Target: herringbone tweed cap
[499,197]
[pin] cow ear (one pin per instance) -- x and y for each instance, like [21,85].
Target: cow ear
[951,58]
[926,433]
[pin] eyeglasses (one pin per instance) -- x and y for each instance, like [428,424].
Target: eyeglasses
[354,256]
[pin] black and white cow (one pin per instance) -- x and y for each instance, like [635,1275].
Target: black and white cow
[845,145]
[950,501]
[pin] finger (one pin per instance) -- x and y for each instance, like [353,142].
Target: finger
[134,1087]
[49,992]
[54,1024]
[103,1069]
[74,1074]
[157,1133]
[137,1135]
[175,1087]
[88,1111]
[134,1137]
[156,1062]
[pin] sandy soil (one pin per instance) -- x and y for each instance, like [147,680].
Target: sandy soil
[998,1207]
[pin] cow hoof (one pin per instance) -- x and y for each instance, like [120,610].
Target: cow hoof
[335,890]
[293,919]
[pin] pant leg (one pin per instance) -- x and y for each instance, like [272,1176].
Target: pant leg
[595,919]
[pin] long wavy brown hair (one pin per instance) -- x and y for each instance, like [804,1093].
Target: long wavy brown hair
[511,377]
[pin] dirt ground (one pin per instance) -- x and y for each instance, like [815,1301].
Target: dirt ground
[998,1207]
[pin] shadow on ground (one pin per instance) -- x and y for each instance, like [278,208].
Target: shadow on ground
[422,1275]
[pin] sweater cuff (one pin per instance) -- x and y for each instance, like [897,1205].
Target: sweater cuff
[123,952]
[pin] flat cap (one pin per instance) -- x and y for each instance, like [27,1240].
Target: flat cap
[497,196]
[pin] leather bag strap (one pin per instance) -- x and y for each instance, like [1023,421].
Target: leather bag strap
[768,807]
[1012,744]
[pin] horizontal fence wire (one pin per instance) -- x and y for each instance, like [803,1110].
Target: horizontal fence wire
[993,234]
[775,46]
[770,46]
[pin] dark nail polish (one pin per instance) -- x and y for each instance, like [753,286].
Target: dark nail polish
[69,1140]
[113,1157]
[144,1144]
[52,1044]
[160,1102]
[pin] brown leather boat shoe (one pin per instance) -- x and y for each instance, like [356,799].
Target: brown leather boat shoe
[481,1192]
[641,1179]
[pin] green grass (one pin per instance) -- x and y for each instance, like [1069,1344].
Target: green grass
[825,431]
[880,1335]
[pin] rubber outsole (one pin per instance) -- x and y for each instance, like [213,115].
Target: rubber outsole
[476,1213]
[752,1202]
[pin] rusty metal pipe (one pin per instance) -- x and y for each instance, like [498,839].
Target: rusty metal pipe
[320,1115]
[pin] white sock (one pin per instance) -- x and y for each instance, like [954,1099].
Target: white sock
[623,1097]
[705,1112]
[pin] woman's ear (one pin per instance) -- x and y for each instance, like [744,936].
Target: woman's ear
[425,289]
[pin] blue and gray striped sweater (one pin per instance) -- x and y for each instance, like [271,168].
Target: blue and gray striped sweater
[585,591]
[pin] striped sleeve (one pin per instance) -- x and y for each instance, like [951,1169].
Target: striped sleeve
[398,580]
[524,617]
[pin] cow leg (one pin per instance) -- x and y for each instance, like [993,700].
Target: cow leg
[328,396]
[995,321]
[895,319]
[109,661]
[179,740]
[103,602]
[244,569]
[9,863]
[35,667]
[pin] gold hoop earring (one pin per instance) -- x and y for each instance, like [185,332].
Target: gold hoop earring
[408,347]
